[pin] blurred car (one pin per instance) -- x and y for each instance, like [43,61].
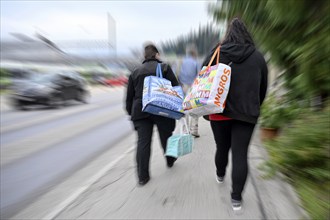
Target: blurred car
[117,81]
[51,89]
[20,76]
[98,78]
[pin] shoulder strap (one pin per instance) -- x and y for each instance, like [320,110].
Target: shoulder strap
[159,71]
[165,67]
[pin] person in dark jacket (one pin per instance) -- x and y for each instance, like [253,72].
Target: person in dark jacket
[234,127]
[144,122]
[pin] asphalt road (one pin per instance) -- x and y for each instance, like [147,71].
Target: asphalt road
[41,147]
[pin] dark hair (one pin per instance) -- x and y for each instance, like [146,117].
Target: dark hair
[150,51]
[237,33]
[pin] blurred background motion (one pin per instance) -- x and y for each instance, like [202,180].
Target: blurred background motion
[64,68]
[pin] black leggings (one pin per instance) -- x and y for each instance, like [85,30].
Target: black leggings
[144,130]
[235,135]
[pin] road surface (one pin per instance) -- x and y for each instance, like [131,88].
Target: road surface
[41,147]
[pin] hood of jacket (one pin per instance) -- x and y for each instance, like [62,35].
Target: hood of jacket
[237,53]
[152,59]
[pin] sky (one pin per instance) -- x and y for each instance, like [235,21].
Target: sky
[135,21]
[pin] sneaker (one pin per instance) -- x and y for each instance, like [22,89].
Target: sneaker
[219,179]
[170,161]
[236,204]
[144,181]
[195,134]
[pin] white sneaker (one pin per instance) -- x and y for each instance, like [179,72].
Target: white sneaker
[219,179]
[236,205]
[195,134]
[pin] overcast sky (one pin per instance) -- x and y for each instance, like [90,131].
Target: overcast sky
[136,21]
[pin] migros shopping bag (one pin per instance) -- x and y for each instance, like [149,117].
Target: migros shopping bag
[210,89]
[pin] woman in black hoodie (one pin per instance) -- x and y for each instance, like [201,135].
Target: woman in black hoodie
[234,127]
[144,122]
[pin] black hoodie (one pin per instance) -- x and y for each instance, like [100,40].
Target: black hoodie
[248,84]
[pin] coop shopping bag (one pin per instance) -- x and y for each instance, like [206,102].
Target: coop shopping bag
[181,143]
[161,98]
[210,89]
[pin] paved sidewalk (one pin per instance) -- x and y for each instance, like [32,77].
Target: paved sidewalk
[186,191]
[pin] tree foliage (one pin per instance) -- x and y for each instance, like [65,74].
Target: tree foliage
[204,39]
[295,34]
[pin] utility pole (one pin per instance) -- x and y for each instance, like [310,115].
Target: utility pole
[48,42]
[112,34]
[55,48]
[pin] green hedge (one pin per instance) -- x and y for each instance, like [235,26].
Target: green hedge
[276,112]
[302,153]
[5,83]
[4,73]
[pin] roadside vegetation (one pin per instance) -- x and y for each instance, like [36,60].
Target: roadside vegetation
[5,80]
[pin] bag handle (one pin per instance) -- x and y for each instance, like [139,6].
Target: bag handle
[216,53]
[159,71]
[184,124]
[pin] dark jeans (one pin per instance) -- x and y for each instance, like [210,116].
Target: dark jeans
[144,128]
[235,135]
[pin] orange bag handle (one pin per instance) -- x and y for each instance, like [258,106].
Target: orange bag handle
[216,53]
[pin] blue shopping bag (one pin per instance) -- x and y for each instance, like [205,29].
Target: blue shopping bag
[161,98]
[180,144]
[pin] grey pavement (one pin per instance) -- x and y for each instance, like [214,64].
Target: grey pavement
[186,191]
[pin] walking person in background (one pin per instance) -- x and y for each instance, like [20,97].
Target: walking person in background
[144,122]
[234,127]
[188,72]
